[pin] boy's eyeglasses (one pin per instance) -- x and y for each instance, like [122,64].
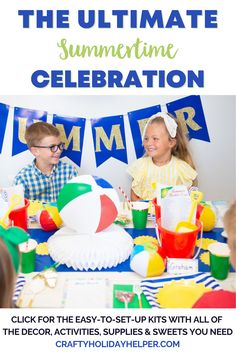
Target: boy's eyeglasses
[53,148]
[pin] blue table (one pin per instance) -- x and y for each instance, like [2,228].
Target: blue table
[46,261]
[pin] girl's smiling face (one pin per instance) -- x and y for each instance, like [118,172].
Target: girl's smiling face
[157,142]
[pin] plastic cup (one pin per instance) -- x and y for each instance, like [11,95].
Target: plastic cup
[219,260]
[140,214]
[27,255]
[19,217]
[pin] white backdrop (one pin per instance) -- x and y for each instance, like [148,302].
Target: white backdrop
[215,161]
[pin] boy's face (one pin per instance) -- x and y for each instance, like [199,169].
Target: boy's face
[44,155]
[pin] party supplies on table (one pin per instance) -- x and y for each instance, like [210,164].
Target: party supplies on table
[174,209]
[85,293]
[7,193]
[189,224]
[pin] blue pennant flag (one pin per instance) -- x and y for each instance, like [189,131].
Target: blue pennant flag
[109,139]
[190,112]
[72,134]
[23,118]
[137,121]
[4,110]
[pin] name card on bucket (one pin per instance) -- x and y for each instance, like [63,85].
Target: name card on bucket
[179,266]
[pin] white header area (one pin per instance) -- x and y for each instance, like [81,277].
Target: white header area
[114,47]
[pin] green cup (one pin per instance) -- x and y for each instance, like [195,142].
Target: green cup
[139,214]
[27,256]
[219,260]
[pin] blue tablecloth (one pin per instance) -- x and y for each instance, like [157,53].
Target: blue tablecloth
[46,261]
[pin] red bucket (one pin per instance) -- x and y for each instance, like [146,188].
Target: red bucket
[177,244]
[158,210]
[19,217]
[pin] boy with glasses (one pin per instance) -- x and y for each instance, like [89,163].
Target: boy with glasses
[46,175]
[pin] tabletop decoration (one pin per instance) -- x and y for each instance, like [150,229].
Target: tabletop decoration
[138,292]
[49,218]
[125,297]
[140,240]
[20,282]
[100,250]
[88,206]
[14,202]
[130,288]
[34,207]
[42,249]
[148,259]
[151,286]
[41,281]
[126,201]
[180,293]
[208,217]
[204,243]
[205,258]
[122,219]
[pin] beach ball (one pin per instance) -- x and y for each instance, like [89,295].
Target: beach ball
[208,218]
[49,218]
[148,260]
[88,204]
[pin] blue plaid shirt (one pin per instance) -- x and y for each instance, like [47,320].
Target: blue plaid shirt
[38,186]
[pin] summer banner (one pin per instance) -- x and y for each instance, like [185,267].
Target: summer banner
[137,121]
[72,134]
[109,139]
[109,135]
[189,111]
[4,109]
[23,118]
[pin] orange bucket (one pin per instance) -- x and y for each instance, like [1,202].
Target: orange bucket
[177,244]
[19,217]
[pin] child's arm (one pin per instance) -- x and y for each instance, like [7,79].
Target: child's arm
[195,183]
[134,196]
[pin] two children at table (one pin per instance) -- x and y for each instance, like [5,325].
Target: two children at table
[46,175]
[167,160]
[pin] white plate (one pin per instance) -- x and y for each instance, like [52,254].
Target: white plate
[224,234]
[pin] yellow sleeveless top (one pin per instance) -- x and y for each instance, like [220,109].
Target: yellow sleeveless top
[145,173]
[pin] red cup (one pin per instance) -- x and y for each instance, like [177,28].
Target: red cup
[19,217]
[177,244]
[157,209]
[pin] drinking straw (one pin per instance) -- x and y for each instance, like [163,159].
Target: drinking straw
[126,197]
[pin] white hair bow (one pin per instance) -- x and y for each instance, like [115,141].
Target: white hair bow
[170,123]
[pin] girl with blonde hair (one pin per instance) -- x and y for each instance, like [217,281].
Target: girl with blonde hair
[167,161]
